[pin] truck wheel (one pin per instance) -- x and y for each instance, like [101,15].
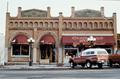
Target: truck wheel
[100,65]
[88,64]
[110,64]
[83,65]
[73,64]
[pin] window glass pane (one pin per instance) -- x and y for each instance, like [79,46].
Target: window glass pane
[87,52]
[101,52]
[16,49]
[92,52]
[24,49]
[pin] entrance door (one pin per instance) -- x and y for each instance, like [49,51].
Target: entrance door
[47,52]
[47,46]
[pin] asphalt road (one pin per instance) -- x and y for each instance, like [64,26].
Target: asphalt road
[61,74]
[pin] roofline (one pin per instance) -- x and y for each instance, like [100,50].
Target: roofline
[87,34]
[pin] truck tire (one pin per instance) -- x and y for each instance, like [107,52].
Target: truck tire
[83,65]
[88,64]
[110,64]
[100,65]
[73,64]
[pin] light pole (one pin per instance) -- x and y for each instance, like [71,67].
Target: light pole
[30,41]
[91,39]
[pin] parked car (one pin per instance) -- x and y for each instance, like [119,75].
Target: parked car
[114,59]
[89,57]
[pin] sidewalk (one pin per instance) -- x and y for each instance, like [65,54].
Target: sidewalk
[34,67]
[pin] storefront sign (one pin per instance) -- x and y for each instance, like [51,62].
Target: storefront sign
[100,40]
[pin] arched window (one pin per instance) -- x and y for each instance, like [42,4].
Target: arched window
[80,25]
[85,25]
[75,25]
[41,24]
[16,24]
[70,25]
[90,25]
[20,46]
[106,25]
[101,25]
[56,24]
[36,24]
[96,25]
[46,25]
[110,25]
[31,24]
[11,24]
[26,24]
[21,24]
[65,25]
[51,24]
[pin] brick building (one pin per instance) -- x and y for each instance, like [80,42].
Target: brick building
[56,37]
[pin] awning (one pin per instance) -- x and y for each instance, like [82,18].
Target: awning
[100,40]
[47,39]
[20,39]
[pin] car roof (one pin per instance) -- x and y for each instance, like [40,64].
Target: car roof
[94,49]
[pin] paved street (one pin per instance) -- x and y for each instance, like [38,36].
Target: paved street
[61,74]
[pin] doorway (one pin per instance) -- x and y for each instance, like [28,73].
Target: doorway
[48,52]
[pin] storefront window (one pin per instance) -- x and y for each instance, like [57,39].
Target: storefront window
[20,49]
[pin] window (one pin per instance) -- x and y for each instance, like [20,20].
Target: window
[20,49]
[87,53]
[16,49]
[101,52]
[65,25]
[85,25]
[96,25]
[90,25]
[92,52]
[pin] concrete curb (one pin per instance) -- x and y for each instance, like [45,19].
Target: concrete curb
[34,67]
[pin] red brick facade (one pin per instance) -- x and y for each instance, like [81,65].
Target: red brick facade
[49,33]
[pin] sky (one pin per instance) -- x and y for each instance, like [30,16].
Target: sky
[110,7]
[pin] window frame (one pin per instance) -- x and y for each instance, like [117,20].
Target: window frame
[20,55]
